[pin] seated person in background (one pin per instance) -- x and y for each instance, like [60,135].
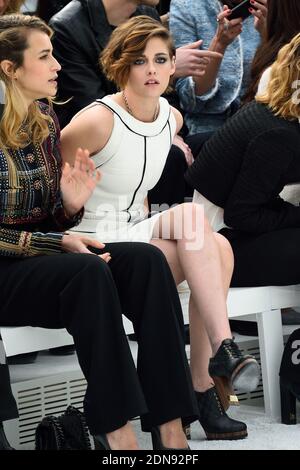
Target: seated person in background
[53,279]
[243,168]
[282,24]
[139,58]
[82,30]
[208,101]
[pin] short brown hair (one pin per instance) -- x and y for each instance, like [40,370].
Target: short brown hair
[127,43]
[285,75]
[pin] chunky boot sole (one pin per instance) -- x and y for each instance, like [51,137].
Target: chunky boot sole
[228,436]
[245,378]
[226,393]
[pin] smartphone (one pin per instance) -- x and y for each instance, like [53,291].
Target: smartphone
[240,11]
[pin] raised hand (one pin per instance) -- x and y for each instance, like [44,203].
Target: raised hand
[78,182]
[191,61]
[227,30]
[259,10]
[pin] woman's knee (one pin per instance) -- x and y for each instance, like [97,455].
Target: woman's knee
[195,225]
[226,252]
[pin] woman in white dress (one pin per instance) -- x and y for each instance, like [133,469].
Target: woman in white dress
[128,135]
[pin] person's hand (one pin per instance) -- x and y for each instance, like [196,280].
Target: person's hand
[179,142]
[259,10]
[191,61]
[77,183]
[227,30]
[78,244]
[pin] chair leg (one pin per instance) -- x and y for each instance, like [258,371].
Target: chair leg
[271,350]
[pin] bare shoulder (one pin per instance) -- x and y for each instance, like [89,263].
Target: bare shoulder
[96,118]
[178,118]
[90,129]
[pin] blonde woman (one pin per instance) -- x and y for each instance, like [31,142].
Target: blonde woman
[260,155]
[129,135]
[54,279]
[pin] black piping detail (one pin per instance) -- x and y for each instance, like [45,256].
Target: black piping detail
[144,169]
[129,128]
[145,147]
[170,133]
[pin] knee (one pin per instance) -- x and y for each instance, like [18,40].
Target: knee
[194,217]
[91,264]
[226,252]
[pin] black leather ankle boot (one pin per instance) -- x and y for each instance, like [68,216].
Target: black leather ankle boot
[214,420]
[4,444]
[101,442]
[233,369]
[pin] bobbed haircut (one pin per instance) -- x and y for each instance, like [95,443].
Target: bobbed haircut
[127,43]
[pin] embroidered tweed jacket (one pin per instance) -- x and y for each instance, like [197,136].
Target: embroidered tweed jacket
[32,217]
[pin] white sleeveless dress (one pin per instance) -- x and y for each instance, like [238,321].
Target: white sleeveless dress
[131,164]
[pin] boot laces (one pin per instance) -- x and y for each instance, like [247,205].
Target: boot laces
[233,349]
[219,403]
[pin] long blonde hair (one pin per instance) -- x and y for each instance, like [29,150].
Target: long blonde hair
[281,93]
[19,124]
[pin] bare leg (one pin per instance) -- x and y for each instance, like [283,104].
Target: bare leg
[199,340]
[201,267]
[123,438]
[172,435]
[200,345]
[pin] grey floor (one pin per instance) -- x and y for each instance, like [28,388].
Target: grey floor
[263,434]
[47,374]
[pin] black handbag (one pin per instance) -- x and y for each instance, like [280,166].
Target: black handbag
[68,431]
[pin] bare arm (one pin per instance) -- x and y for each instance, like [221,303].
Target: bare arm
[178,119]
[226,33]
[89,130]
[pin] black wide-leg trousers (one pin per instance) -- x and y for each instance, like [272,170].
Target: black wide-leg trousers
[8,407]
[83,294]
